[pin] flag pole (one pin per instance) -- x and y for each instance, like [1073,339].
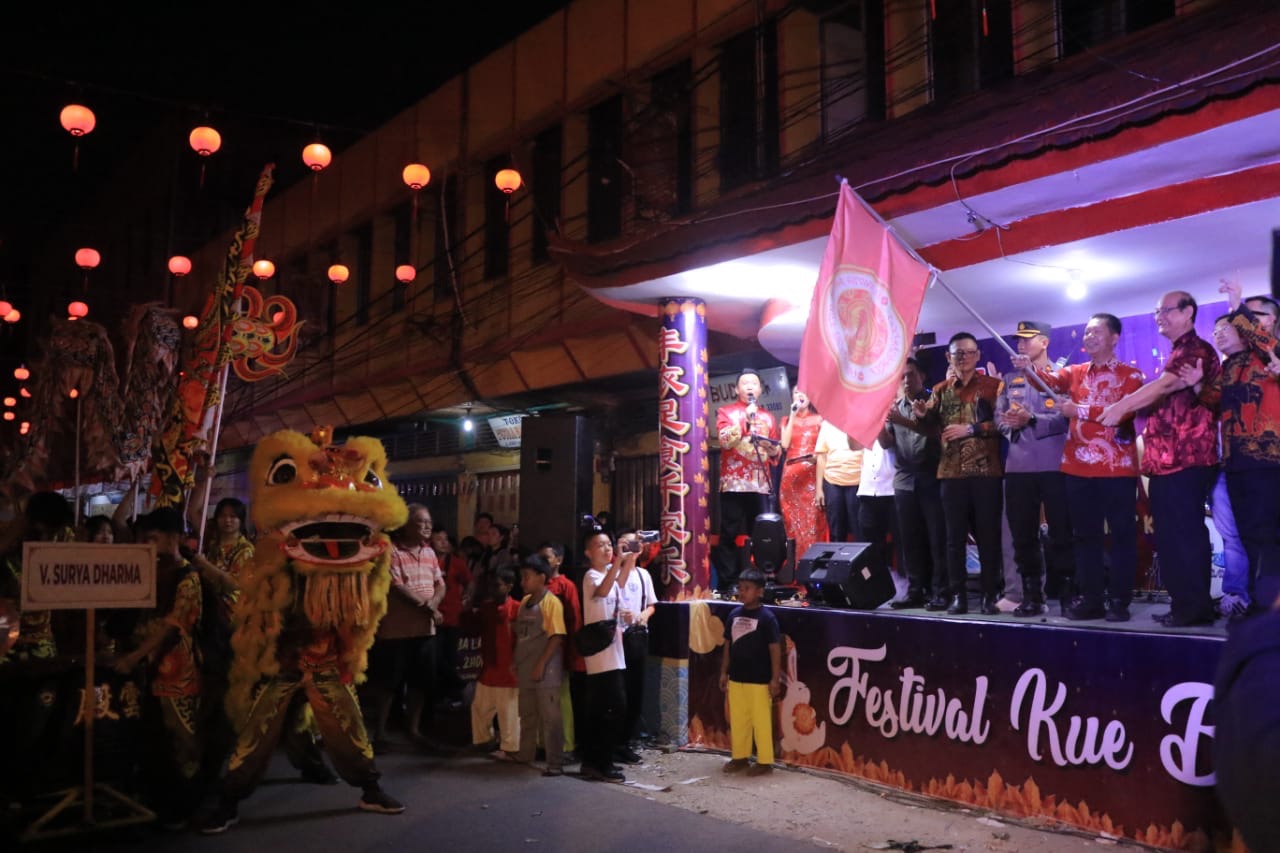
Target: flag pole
[937,277]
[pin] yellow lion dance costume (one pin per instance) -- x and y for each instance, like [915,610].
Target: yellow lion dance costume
[310,604]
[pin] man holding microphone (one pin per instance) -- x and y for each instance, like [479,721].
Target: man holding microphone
[749,448]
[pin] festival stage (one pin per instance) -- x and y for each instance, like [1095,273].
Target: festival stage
[1104,726]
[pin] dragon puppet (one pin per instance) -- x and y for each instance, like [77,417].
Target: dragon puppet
[310,604]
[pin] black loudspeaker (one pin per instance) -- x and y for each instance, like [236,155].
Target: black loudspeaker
[769,545]
[556,476]
[840,574]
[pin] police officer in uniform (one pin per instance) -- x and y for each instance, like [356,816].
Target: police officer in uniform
[1029,418]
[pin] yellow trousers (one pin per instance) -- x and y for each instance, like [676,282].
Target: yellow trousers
[751,715]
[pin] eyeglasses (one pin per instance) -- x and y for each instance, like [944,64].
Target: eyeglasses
[963,353]
[1161,312]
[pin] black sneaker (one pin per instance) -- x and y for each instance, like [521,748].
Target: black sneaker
[219,820]
[1029,608]
[1083,610]
[1118,613]
[602,774]
[626,755]
[378,800]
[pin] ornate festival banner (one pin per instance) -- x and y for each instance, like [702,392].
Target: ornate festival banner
[1110,731]
[683,462]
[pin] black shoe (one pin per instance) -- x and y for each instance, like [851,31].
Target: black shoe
[1029,608]
[989,607]
[910,602]
[937,604]
[959,605]
[320,776]
[735,765]
[1118,613]
[626,755]
[602,774]
[222,818]
[1083,610]
[377,800]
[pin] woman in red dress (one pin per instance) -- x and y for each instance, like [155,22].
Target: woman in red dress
[806,522]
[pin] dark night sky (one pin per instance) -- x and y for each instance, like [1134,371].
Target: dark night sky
[270,71]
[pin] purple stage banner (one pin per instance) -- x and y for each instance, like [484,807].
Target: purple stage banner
[1110,731]
[683,462]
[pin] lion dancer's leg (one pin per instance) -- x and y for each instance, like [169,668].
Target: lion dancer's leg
[341,725]
[301,746]
[254,747]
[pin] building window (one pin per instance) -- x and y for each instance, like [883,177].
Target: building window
[447,230]
[1088,23]
[547,164]
[403,251]
[749,128]
[604,170]
[967,54]
[660,148]
[497,231]
[852,38]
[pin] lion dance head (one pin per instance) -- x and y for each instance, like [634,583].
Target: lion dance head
[321,511]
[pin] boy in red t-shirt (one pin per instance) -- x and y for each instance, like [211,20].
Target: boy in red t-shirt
[567,591]
[497,691]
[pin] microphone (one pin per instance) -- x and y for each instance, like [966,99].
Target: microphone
[751,412]
[1061,362]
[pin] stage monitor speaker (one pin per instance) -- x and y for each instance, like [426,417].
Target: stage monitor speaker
[840,574]
[556,476]
[769,544]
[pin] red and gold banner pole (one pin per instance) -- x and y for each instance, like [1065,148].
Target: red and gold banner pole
[683,462]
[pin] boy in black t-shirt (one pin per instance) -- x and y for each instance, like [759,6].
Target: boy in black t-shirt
[750,673]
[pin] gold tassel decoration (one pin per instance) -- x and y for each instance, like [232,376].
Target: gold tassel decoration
[332,600]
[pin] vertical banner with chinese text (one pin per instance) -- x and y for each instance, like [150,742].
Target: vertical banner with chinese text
[683,463]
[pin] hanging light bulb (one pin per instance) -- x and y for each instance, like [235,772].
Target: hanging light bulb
[263,269]
[73,393]
[317,156]
[467,424]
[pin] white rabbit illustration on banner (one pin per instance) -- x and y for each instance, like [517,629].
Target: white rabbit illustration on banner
[801,731]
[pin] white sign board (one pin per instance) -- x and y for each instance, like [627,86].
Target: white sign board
[775,399]
[80,575]
[507,429]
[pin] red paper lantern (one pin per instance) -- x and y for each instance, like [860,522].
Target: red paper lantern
[264,269]
[77,309]
[205,141]
[508,180]
[88,259]
[24,427]
[24,393]
[277,318]
[8,416]
[21,373]
[10,402]
[416,176]
[5,307]
[179,265]
[190,321]
[405,273]
[77,119]
[73,393]
[317,156]
[338,273]
[13,316]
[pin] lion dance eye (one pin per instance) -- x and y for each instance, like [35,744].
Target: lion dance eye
[283,470]
[372,479]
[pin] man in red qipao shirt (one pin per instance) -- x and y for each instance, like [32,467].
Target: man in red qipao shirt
[748,451]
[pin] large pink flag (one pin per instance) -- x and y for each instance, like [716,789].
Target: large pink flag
[862,320]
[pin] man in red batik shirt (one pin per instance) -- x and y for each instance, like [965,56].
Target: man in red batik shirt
[748,450]
[1180,455]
